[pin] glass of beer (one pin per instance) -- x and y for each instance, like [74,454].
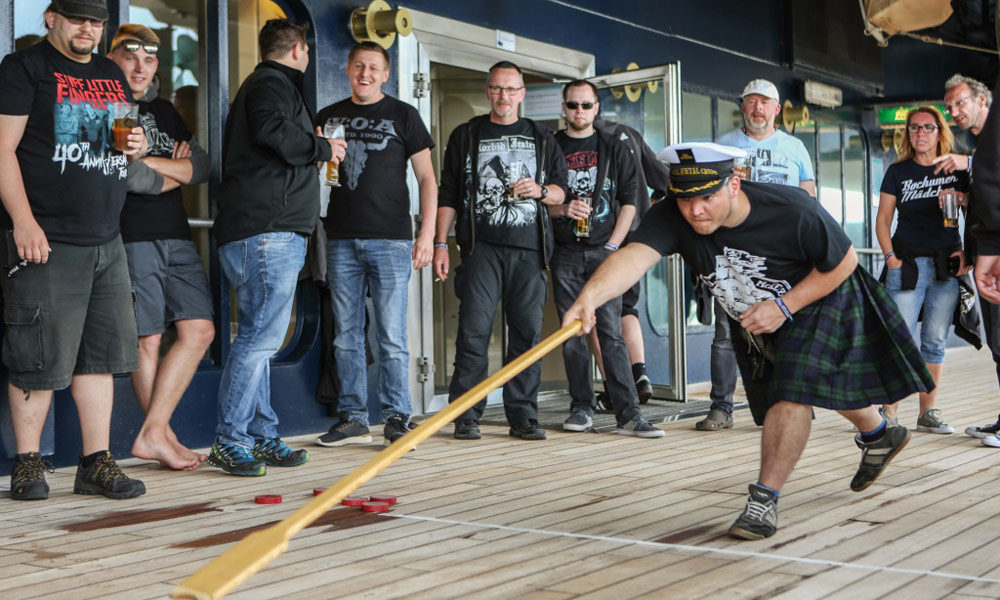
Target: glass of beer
[125,116]
[583,225]
[743,168]
[949,207]
[333,129]
[513,175]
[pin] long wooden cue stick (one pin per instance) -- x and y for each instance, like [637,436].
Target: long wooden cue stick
[254,552]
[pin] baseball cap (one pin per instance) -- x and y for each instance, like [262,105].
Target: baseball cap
[762,87]
[698,168]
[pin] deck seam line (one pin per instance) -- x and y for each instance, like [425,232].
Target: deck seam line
[699,549]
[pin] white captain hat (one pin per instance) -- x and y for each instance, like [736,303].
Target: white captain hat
[698,168]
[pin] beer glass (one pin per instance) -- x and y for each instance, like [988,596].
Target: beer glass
[335,130]
[583,225]
[124,116]
[949,206]
[743,168]
[513,174]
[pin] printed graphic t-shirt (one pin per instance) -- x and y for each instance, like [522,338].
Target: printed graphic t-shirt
[916,187]
[74,178]
[581,164]
[500,220]
[785,236]
[148,217]
[778,158]
[373,201]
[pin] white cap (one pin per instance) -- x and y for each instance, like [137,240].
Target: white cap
[762,87]
[698,152]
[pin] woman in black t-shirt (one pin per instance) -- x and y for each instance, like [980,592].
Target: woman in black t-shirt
[917,274]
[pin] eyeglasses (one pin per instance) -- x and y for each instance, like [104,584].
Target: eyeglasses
[79,21]
[134,45]
[926,128]
[496,90]
[575,105]
[957,104]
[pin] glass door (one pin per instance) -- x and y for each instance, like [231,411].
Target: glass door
[649,100]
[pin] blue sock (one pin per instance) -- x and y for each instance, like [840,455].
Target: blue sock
[874,434]
[776,493]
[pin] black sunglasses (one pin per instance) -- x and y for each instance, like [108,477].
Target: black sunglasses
[79,21]
[575,105]
[134,45]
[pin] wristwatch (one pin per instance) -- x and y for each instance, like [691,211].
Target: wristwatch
[545,193]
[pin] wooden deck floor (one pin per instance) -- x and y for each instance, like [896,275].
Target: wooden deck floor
[582,516]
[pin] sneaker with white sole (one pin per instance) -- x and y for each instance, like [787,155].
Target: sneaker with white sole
[760,515]
[640,427]
[579,420]
[993,441]
[875,456]
[930,422]
[985,431]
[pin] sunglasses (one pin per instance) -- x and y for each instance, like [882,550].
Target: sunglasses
[134,45]
[79,21]
[926,127]
[575,105]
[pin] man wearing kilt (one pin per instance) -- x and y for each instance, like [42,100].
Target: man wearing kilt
[816,330]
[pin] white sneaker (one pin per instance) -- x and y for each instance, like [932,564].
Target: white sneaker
[992,441]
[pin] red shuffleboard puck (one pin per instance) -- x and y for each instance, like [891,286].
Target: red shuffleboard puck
[349,501]
[268,499]
[375,507]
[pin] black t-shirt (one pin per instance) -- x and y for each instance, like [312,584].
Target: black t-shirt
[581,166]
[785,236]
[148,217]
[499,220]
[920,223]
[372,200]
[74,178]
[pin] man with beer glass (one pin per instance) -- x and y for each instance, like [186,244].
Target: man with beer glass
[589,226]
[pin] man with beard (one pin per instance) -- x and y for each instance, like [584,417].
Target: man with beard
[603,195]
[815,330]
[67,299]
[774,157]
[505,246]
[968,102]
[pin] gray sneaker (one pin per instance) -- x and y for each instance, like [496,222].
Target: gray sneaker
[875,456]
[579,420]
[931,422]
[640,427]
[760,516]
[344,433]
[716,420]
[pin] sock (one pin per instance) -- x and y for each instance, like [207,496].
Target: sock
[874,434]
[776,493]
[638,370]
[90,459]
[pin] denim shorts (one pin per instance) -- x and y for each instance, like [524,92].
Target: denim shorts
[70,316]
[931,301]
[169,283]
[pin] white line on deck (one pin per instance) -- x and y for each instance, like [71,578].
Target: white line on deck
[701,549]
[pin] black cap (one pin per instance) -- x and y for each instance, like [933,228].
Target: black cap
[87,9]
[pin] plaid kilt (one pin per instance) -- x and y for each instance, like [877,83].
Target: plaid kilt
[848,350]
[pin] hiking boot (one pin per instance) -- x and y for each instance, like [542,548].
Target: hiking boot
[27,477]
[528,430]
[236,460]
[467,430]
[603,403]
[985,431]
[760,516]
[716,420]
[640,427]
[104,477]
[993,441]
[875,456]
[644,388]
[931,422]
[395,427]
[580,419]
[275,453]
[344,433]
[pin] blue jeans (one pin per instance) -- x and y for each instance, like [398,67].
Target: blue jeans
[937,299]
[264,270]
[382,266]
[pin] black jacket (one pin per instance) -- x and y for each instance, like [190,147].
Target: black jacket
[269,156]
[984,209]
[654,173]
[617,182]
[459,184]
